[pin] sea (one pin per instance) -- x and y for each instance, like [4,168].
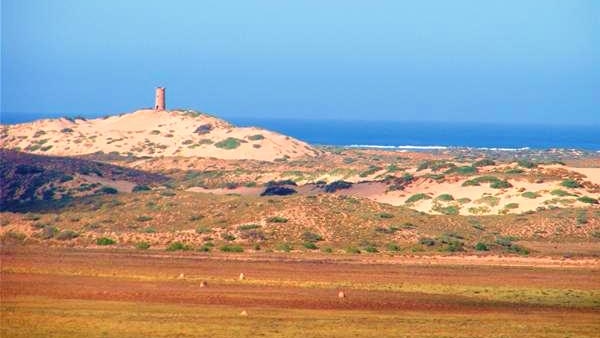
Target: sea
[413,135]
[433,135]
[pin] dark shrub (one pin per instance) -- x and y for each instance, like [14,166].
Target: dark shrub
[65,235]
[277,219]
[48,232]
[203,129]
[108,190]
[285,247]
[427,241]
[337,185]
[484,163]
[278,191]
[526,164]
[281,182]
[311,237]
[178,246]
[141,187]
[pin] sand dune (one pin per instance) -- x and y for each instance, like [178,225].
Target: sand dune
[155,134]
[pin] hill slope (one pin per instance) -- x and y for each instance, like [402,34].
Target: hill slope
[151,133]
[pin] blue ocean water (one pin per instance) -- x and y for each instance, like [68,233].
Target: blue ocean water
[432,134]
[412,134]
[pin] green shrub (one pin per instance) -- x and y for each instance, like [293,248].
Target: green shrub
[481,247]
[511,171]
[246,227]
[417,197]
[371,249]
[484,163]
[203,230]
[327,250]
[256,137]
[500,185]
[518,250]
[570,183]
[445,197]
[105,241]
[142,246]
[205,248]
[178,246]
[66,235]
[231,248]
[150,230]
[449,210]
[463,170]
[285,247]
[511,206]
[277,219]
[228,143]
[393,247]
[143,218]
[560,193]
[228,237]
[526,164]
[370,171]
[587,199]
[310,245]
[352,250]
[385,215]
[311,237]
[530,194]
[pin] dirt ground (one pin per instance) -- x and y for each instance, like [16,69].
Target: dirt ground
[97,292]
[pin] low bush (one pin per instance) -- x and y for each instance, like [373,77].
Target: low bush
[178,246]
[143,218]
[141,187]
[560,193]
[385,215]
[311,237]
[484,163]
[228,143]
[352,250]
[570,183]
[231,248]
[463,170]
[105,241]
[246,227]
[278,191]
[511,206]
[427,241]
[445,197]
[417,197]
[66,235]
[530,194]
[370,249]
[393,247]
[108,190]
[310,245]
[256,137]
[587,199]
[481,247]
[142,246]
[526,164]
[337,185]
[285,247]
[277,219]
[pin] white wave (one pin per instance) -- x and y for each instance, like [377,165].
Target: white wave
[433,147]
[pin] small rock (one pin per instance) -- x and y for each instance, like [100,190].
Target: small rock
[341,294]
[242,276]
[244,313]
[181,276]
[203,284]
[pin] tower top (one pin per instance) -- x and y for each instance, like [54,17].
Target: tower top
[159,99]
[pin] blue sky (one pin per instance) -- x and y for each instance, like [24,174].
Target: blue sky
[498,61]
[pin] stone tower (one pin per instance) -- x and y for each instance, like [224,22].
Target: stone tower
[159,102]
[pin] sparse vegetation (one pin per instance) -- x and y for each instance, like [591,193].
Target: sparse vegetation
[228,143]
[105,241]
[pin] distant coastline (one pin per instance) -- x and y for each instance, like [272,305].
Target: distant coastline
[410,135]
